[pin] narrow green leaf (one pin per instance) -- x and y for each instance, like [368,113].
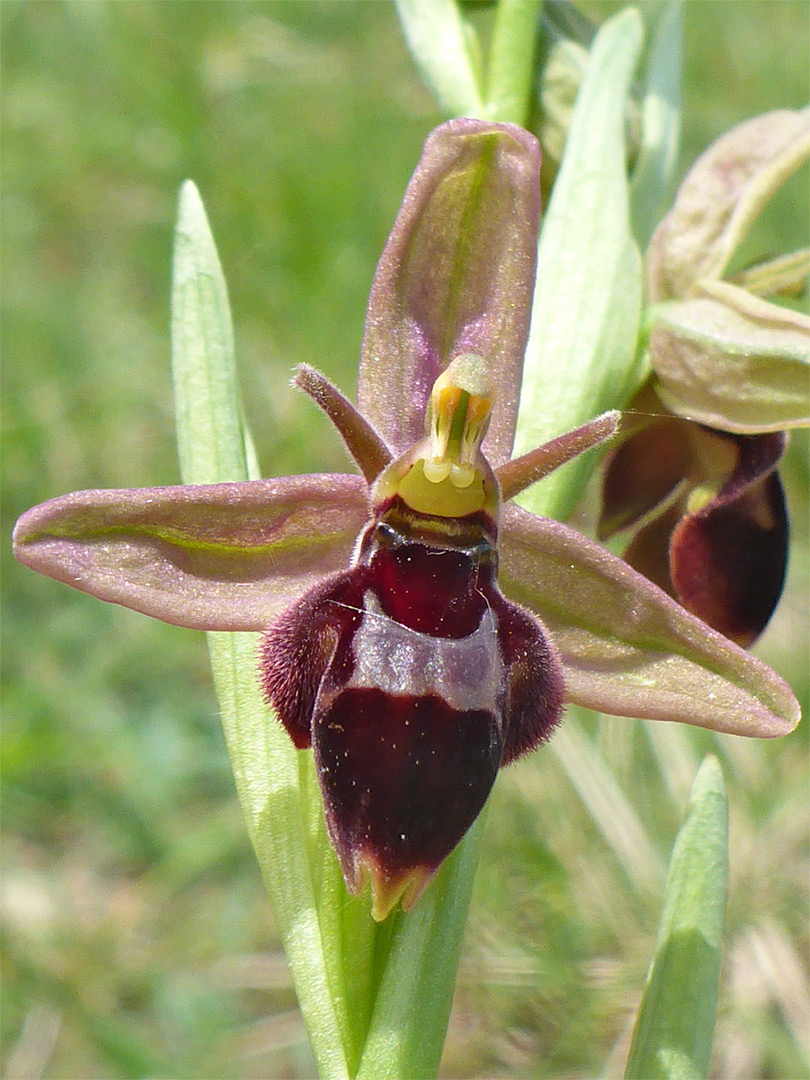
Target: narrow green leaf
[212,444]
[580,357]
[266,768]
[208,414]
[654,172]
[511,60]
[446,50]
[673,1035]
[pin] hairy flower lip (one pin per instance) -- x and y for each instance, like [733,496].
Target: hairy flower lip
[534,552]
[410,674]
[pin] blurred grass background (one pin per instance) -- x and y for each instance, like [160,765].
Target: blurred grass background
[137,939]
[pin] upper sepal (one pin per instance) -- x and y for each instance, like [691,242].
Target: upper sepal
[722,195]
[209,557]
[456,276]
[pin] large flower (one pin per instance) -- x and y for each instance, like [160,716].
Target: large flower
[705,500]
[402,608]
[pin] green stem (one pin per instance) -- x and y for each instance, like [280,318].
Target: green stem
[511,60]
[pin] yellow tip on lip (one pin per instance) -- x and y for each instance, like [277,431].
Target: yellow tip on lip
[388,890]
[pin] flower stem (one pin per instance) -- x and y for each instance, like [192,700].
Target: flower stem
[511,60]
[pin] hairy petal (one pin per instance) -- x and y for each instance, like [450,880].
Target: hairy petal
[363,443]
[724,192]
[516,475]
[209,557]
[626,647]
[457,275]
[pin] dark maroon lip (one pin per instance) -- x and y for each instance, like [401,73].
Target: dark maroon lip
[414,681]
[403,777]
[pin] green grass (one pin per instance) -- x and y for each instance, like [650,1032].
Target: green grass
[137,936]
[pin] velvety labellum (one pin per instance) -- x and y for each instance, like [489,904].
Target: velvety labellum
[414,680]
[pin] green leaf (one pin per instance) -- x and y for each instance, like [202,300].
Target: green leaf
[266,768]
[673,1034]
[409,1022]
[446,50]
[208,413]
[580,357]
[654,172]
[211,438]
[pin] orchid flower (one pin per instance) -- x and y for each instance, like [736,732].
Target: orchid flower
[705,500]
[420,629]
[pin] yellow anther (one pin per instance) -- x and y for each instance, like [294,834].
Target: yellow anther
[459,408]
[445,475]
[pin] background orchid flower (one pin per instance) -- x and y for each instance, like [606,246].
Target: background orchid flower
[705,499]
[706,512]
[449,309]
